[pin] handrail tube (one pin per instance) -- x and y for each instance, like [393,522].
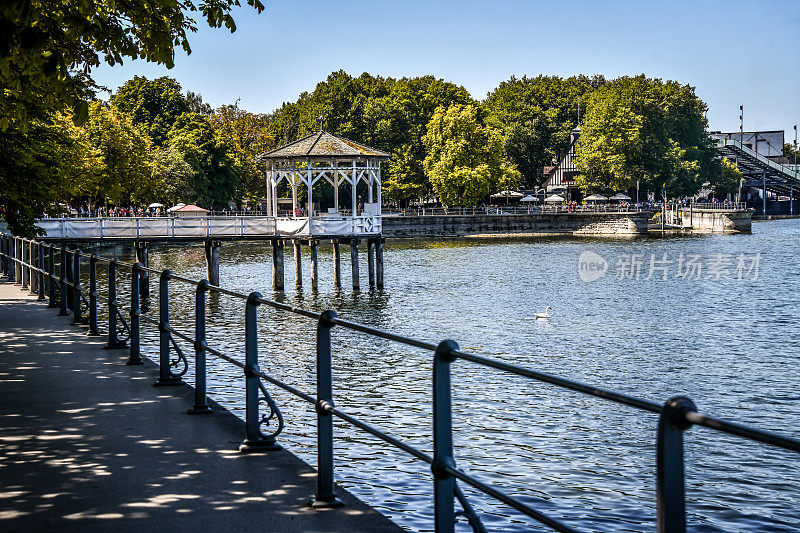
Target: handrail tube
[385,334]
[165,376]
[93,330]
[670,488]
[113,338]
[200,345]
[135,356]
[325,497]
[766,437]
[62,293]
[508,500]
[561,382]
[40,264]
[77,314]
[51,275]
[254,439]
[297,392]
[444,484]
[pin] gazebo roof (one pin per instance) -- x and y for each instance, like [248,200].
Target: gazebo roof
[322,145]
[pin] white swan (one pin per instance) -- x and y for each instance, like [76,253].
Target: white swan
[546,314]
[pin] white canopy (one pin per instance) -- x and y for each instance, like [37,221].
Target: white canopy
[620,196]
[174,207]
[530,198]
[554,199]
[155,204]
[596,198]
[508,194]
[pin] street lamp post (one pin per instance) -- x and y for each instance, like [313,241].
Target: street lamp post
[791,189]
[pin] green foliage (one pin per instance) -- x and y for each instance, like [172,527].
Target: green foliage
[385,113]
[465,160]
[246,135]
[646,130]
[127,153]
[47,51]
[154,105]
[48,47]
[791,151]
[214,181]
[725,178]
[536,116]
[176,175]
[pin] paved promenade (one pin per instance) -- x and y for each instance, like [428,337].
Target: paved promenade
[88,444]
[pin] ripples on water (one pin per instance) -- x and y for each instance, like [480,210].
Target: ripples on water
[730,345]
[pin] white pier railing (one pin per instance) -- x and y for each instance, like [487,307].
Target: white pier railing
[208,227]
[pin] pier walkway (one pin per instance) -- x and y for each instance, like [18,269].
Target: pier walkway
[87,443]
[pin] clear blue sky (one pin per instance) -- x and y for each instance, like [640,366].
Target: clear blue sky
[734,52]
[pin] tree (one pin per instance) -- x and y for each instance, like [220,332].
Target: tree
[48,49]
[47,52]
[726,178]
[536,116]
[648,131]
[154,105]
[465,160]
[247,135]
[175,174]
[214,180]
[128,156]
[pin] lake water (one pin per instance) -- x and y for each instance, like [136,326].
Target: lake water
[729,340]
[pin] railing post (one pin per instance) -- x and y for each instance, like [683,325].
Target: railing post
[200,406]
[670,489]
[17,264]
[254,440]
[93,331]
[41,263]
[51,276]
[165,377]
[135,357]
[25,255]
[444,484]
[113,306]
[325,496]
[77,313]
[70,279]
[62,297]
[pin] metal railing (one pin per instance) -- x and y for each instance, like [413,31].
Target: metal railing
[32,265]
[513,210]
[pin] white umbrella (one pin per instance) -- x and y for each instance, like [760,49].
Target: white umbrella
[597,198]
[620,196]
[530,198]
[155,204]
[554,199]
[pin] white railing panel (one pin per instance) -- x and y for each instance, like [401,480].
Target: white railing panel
[224,227]
[258,225]
[291,226]
[154,227]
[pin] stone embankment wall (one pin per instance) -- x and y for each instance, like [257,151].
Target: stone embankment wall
[540,223]
[713,221]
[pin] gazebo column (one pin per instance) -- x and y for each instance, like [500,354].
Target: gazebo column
[294,193]
[337,264]
[354,184]
[310,195]
[298,267]
[371,261]
[277,264]
[314,273]
[354,263]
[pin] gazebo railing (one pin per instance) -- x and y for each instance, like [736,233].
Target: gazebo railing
[32,264]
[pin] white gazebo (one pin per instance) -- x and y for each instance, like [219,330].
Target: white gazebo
[337,161]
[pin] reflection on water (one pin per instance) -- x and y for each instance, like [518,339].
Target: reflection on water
[730,345]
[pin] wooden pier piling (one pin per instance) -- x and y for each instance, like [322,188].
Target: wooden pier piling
[277,265]
[212,250]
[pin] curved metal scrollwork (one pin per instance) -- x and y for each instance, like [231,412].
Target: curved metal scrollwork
[122,327]
[274,412]
[177,362]
[468,512]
